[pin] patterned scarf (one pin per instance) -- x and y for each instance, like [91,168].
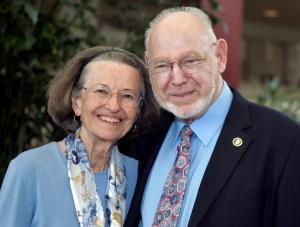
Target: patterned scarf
[88,206]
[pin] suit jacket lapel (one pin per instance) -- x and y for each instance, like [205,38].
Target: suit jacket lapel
[226,156]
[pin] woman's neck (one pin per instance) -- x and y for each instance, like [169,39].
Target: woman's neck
[98,151]
[98,154]
[98,157]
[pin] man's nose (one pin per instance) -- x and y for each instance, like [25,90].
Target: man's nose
[178,77]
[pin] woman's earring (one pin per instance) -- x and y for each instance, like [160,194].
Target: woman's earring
[76,117]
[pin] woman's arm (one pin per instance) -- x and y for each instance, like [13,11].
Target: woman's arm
[16,203]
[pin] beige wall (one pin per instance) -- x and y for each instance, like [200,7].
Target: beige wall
[271,50]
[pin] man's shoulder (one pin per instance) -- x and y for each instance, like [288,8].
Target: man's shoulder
[262,117]
[273,118]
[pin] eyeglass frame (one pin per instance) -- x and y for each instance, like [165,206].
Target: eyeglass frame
[110,95]
[182,64]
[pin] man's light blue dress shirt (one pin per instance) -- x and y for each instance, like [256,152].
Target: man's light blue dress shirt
[206,131]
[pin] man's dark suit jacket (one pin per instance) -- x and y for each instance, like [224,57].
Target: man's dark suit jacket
[252,185]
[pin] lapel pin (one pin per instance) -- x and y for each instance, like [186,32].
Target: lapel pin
[237,142]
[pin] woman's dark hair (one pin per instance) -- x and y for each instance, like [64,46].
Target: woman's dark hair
[67,84]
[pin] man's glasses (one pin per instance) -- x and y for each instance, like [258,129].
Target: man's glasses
[103,93]
[189,64]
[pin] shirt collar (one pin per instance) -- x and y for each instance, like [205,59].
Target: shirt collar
[207,125]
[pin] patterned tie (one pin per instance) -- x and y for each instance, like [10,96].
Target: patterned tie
[170,202]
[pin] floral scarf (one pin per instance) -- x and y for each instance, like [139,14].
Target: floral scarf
[88,206]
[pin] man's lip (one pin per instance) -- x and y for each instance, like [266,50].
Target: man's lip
[183,94]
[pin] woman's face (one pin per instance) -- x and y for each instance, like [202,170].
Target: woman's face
[108,102]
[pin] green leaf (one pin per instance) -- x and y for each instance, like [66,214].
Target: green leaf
[32,12]
[29,41]
[214,5]
[3,25]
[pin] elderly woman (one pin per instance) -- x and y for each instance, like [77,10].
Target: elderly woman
[102,95]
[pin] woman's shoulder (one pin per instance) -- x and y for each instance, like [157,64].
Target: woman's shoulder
[131,164]
[32,159]
[129,160]
[37,153]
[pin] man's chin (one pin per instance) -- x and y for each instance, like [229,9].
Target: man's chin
[187,115]
[187,111]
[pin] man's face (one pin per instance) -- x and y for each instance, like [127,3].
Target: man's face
[184,65]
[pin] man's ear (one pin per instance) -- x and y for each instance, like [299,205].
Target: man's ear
[221,54]
[76,105]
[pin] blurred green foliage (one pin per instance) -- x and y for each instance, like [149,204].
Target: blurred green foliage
[36,39]
[286,100]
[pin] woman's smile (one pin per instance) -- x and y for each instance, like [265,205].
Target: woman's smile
[109,119]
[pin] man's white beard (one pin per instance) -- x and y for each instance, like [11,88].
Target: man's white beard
[195,109]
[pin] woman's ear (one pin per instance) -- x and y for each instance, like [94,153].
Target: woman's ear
[146,57]
[76,105]
[138,110]
[221,54]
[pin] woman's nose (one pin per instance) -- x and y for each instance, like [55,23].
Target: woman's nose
[113,103]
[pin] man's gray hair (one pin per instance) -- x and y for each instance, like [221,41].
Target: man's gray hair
[203,18]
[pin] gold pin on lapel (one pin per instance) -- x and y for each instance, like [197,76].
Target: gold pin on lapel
[237,141]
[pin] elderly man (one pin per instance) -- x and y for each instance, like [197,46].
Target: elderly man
[215,159]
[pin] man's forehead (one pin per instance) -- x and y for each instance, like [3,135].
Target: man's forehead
[181,41]
[179,26]
[177,20]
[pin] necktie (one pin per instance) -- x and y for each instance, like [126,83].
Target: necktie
[170,202]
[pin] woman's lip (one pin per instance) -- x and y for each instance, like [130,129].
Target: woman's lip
[109,119]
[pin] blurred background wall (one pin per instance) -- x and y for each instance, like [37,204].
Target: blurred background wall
[271,40]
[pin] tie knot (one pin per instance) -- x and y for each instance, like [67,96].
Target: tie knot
[186,131]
